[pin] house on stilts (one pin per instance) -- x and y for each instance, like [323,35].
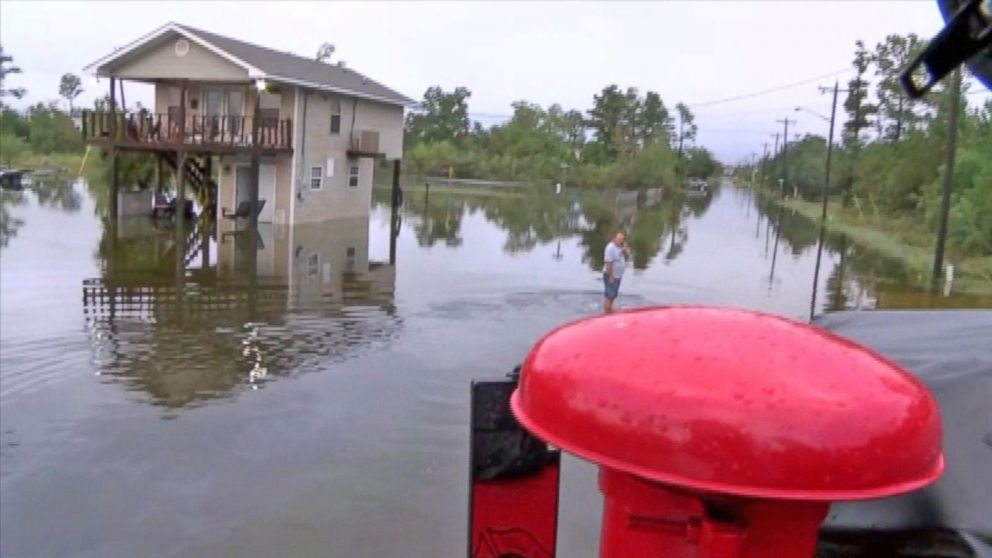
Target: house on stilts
[241,125]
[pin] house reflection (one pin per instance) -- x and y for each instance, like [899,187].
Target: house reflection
[229,310]
[325,262]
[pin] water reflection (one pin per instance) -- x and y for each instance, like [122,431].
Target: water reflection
[860,277]
[655,219]
[55,191]
[188,316]
[9,224]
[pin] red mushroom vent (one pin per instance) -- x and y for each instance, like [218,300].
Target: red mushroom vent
[731,401]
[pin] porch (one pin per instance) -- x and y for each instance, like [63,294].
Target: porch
[208,134]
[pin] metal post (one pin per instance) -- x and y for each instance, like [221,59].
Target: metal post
[764,164]
[180,208]
[158,174]
[394,212]
[114,184]
[825,196]
[949,152]
[785,155]
[778,231]
[255,166]
[113,108]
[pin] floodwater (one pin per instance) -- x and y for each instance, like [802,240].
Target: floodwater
[295,394]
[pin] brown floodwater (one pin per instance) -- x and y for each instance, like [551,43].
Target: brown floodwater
[296,394]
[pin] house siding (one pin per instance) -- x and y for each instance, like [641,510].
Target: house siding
[161,62]
[336,199]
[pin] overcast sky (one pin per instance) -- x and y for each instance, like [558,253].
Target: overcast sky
[550,52]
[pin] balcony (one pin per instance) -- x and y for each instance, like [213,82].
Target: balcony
[365,144]
[145,131]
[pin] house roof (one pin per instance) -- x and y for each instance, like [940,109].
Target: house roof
[266,63]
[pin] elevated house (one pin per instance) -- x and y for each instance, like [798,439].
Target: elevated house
[249,124]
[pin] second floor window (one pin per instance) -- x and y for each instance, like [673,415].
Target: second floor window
[335,116]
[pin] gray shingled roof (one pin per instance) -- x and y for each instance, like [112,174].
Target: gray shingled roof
[281,64]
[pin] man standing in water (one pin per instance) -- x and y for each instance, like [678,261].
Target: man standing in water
[615,261]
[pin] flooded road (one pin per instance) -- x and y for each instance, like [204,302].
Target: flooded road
[298,395]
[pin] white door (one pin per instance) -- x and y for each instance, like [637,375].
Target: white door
[266,189]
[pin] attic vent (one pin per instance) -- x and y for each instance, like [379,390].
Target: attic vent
[182,48]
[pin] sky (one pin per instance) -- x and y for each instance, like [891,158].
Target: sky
[551,52]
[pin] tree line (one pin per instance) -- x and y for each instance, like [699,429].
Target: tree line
[889,162]
[42,129]
[625,139]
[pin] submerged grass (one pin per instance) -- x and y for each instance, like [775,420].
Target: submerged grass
[898,238]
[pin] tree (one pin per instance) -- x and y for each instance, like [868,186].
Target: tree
[701,163]
[50,130]
[859,115]
[654,123]
[443,116]
[687,131]
[69,88]
[896,112]
[568,126]
[687,127]
[605,119]
[6,68]
[624,123]
[858,111]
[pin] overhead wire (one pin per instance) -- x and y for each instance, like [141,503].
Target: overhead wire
[709,103]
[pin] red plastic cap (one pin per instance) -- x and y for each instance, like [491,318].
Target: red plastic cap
[731,401]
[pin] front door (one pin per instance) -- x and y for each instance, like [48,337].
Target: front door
[213,110]
[266,189]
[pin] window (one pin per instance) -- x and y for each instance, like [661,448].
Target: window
[335,116]
[353,175]
[313,265]
[316,178]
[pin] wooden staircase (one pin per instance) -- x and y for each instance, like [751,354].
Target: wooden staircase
[197,173]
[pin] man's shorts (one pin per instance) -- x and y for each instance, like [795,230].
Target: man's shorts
[610,290]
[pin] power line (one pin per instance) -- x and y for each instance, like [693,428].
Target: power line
[706,103]
[769,90]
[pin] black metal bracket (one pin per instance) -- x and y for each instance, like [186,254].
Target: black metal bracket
[967,33]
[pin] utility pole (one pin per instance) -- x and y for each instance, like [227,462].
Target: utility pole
[785,153]
[764,163]
[825,196]
[830,149]
[775,151]
[950,145]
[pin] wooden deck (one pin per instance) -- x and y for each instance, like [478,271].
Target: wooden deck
[222,135]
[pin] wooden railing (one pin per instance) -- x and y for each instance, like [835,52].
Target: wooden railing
[145,128]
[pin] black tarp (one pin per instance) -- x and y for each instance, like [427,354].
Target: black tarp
[951,352]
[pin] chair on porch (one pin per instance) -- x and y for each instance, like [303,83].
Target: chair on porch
[162,206]
[243,211]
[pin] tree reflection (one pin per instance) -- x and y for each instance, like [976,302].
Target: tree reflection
[439,219]
[649,228]
[9,224]
[58,193]
[530,220]
[861,277]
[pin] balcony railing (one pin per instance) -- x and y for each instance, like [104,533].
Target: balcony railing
[158,130]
